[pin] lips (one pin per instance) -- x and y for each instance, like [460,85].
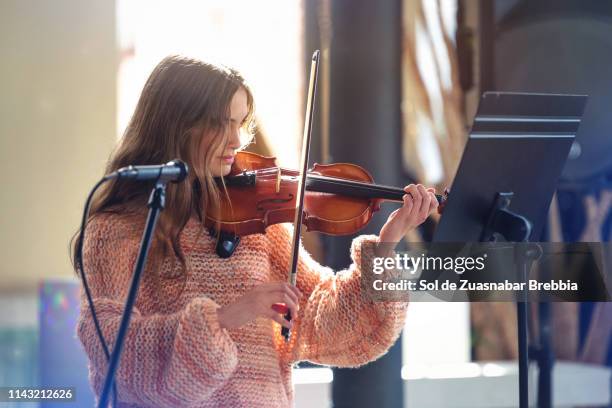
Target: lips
[227,159]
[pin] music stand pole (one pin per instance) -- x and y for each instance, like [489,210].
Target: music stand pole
[545,356]
[527,253]
[523,357]
[514,227]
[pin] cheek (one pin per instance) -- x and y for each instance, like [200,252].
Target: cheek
[206,150]
[218,168]
[215,169]
[210,159]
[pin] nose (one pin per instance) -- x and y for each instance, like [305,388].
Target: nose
[234,138]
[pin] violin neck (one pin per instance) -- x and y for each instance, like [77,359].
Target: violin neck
[324,184]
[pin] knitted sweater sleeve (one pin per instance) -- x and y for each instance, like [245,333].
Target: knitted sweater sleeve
[168,360]
[336,325]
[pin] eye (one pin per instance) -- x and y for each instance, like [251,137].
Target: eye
[236,123]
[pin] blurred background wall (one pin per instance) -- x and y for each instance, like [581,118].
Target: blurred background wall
[57,127]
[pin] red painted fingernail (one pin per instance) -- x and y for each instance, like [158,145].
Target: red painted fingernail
[280,308]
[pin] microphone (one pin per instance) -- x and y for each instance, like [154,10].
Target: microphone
[174,171]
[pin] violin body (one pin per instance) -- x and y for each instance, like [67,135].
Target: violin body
[337,213]
[259,194]
[339,198]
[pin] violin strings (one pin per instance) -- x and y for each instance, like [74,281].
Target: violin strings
[373,191]
[266,174]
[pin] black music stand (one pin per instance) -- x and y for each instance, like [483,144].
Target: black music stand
[516,151]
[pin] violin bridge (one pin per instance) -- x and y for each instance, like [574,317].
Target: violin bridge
[278,180]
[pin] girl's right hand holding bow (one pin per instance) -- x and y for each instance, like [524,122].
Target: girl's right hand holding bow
[258,303]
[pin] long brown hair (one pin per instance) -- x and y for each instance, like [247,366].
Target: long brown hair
[183,112]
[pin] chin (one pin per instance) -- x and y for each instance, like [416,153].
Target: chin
[225,170]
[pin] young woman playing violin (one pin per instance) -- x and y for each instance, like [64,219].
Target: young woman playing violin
[204,332]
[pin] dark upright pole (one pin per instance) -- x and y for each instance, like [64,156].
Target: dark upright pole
[523,357]
[365,128]
[486,20]
[546,357]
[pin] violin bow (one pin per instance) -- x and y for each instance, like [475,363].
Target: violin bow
[299,207]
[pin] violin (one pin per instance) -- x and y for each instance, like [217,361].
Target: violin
[339,198]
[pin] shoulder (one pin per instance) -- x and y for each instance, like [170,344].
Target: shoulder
[114,226]
[279,235]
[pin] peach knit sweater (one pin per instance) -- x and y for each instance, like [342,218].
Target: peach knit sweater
[177,355]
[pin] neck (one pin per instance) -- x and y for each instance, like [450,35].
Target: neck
[352,188]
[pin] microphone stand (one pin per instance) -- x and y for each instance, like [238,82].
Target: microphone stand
[156,203]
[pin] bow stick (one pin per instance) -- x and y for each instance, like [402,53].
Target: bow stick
[297,222]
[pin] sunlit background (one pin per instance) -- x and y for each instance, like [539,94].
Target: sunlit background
[262,39]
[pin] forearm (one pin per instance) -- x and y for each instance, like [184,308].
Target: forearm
[167,360]
[341,325]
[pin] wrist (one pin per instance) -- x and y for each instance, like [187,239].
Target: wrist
[384,248]
[387,239]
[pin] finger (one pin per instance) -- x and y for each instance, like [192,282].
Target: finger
[288,301]
[425,200]
[296,290]
[416,196]
[434,202]
[406,208]
[408,200]
[409,190]
[281,320]
[286,288]
[434,199]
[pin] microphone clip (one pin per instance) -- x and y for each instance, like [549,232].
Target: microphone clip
[227,242]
